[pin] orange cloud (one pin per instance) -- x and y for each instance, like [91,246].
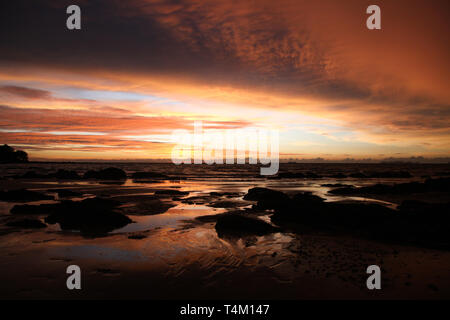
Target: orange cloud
[282,64]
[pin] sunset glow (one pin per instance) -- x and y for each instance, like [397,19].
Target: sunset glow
[119,87]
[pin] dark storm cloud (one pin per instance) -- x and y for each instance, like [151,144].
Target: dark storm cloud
[313,56]
[37,35]
[269,45]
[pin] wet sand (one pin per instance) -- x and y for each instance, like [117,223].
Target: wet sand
[173,255]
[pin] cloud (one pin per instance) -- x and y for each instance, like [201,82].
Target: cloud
[24,92]
[248,62]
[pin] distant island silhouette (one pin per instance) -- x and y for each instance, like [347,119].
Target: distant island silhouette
[9,155]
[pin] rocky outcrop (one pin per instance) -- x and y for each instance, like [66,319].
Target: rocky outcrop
[429,185]
[267,198]
[9,155]
[414,222]
[94,216]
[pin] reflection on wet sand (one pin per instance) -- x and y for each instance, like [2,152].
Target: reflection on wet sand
[176,251]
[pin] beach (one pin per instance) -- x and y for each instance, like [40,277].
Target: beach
[173,247]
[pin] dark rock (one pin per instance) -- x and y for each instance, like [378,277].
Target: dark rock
[20,209]
[228,204]
[346,216]
[306,197]
[257,194]
[23,195]
[334,185]
[390,174]
[291,175]
[415,222]
[9,155]
[296,175]
[94,216]
[91,174]
[226,194]
[32,175]
[338,176]
[170,192]
[27,224]
[358,175]
[210,217]
[196,200]
[66,193]
[137,236]
[425,213]
[141,205]
[346,190]
[430,185]
[441,184]
[177,178]
[267,198]
[106,174]
[235,225]
[312,175]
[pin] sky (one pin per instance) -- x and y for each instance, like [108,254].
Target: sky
[140,69]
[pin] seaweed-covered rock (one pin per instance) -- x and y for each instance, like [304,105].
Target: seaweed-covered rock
[23,195]
[106,174]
